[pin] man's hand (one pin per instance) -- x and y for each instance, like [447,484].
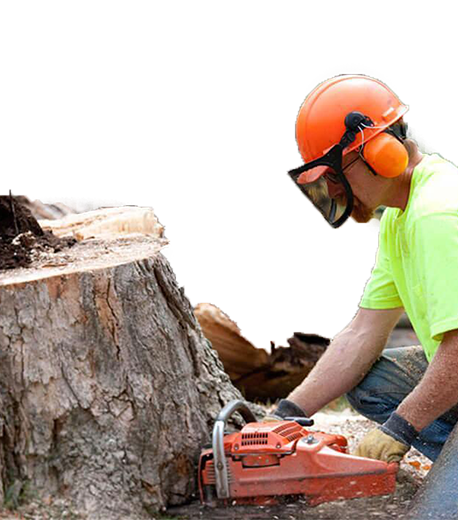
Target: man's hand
[378,445]
[389,442]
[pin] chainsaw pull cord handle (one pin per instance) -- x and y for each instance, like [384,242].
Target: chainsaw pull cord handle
[219,457]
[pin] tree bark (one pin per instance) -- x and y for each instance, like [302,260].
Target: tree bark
[108,388]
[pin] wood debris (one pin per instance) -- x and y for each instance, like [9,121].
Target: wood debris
[257,374]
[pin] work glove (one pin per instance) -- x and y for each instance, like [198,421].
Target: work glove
[389,442]
[288,411]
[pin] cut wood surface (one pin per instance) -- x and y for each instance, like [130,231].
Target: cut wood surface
[108,387]
[259,375]
[107,223]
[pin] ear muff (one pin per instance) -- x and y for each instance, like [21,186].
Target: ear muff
[386,155]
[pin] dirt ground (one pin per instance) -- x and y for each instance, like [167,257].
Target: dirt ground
[356,509]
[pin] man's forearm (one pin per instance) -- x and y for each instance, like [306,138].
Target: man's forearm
[346,361]
[437,392]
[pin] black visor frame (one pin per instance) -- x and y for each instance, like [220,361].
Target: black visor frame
[332,159]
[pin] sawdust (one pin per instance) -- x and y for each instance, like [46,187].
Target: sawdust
[87,255]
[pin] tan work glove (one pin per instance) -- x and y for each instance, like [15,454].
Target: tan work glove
[378,445]
[389,442]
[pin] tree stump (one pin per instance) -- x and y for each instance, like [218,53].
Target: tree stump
[108,388]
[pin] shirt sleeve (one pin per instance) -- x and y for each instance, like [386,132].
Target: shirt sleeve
[435,244]
[380,291]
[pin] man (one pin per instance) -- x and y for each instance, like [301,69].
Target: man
[352,137]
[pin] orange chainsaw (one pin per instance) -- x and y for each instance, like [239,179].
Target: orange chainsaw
[266,461]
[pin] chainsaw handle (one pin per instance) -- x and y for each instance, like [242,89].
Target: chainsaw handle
[233,406]
[219,457]
[303,421]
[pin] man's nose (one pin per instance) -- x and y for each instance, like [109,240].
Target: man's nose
[334,189]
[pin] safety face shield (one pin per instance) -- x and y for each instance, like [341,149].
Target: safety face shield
[326,186]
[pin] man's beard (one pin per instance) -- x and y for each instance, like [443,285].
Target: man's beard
[361,213]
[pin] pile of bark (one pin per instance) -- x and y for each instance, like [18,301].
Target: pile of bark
[21,237]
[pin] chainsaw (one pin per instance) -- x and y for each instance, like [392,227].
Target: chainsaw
[264,463]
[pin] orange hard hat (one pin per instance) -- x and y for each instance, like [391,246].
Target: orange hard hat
[321,120]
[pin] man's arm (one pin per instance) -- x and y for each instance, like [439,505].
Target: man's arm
[437,392]
[347,359]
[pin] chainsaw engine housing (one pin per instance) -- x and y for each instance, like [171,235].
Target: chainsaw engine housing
[265,461]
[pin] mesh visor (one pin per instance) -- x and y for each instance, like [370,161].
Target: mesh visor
[330,193]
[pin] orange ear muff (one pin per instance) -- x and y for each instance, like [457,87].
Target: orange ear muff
[387,156]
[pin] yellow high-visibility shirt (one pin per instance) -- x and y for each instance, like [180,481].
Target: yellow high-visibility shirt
[417,258]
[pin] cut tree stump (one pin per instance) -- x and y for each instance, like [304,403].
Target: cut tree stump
[108,388]
[258,375]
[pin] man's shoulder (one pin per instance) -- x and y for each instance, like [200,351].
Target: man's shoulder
[435,169]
